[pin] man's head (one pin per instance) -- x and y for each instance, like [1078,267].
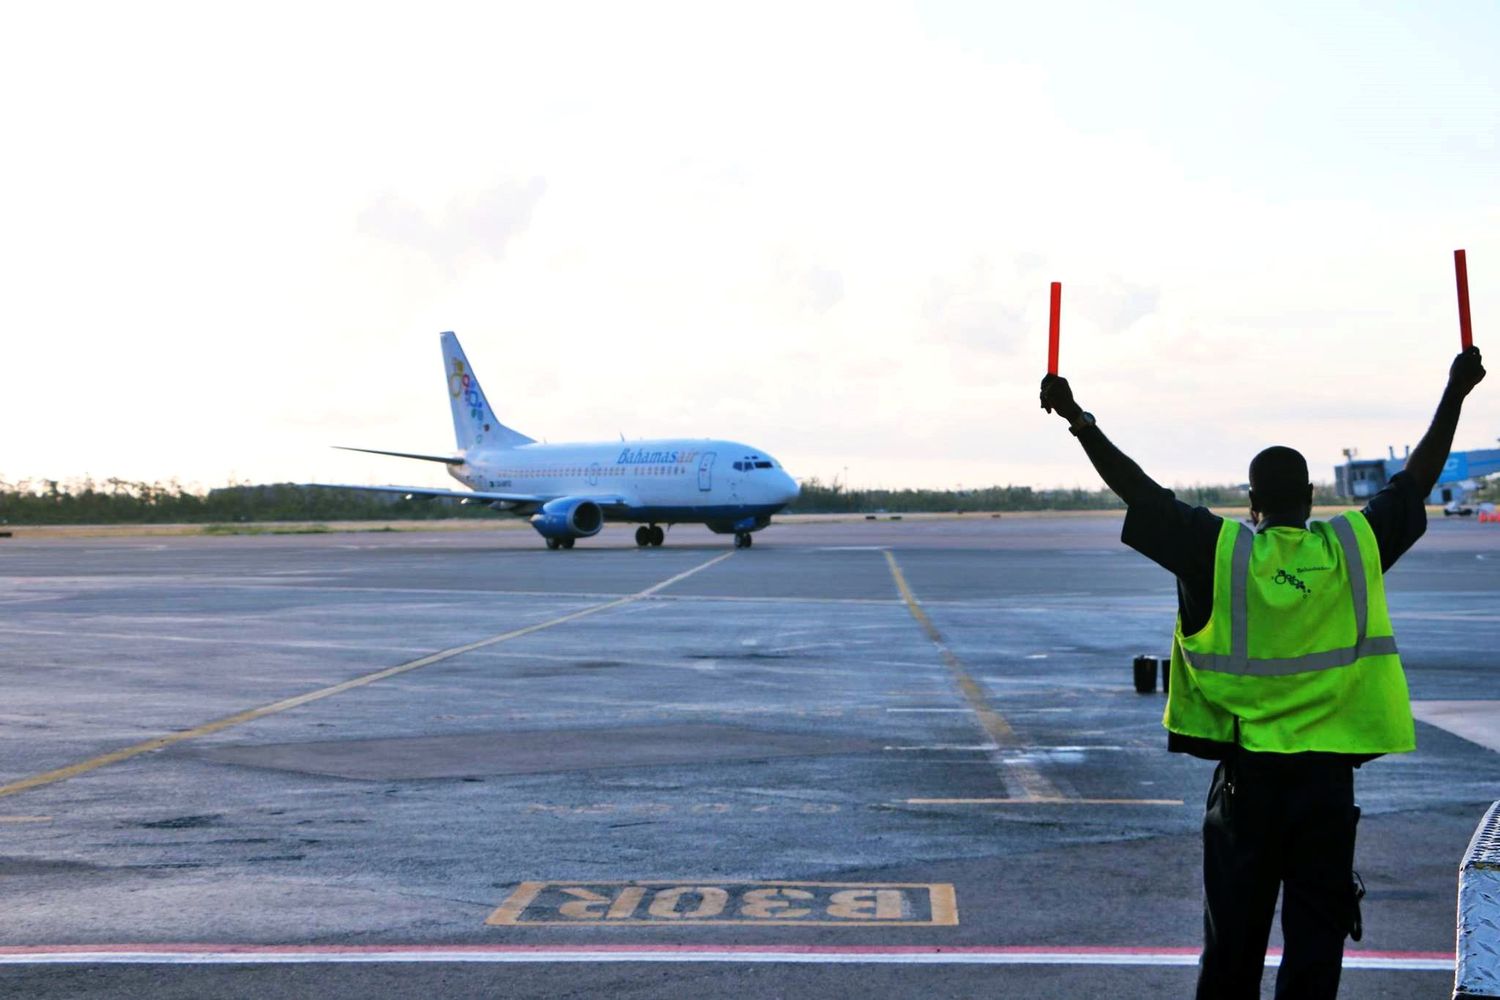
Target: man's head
[1279,487]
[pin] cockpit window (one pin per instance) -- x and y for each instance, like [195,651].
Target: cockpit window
[762,465]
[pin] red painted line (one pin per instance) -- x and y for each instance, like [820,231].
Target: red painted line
[1054,325]
[1461,272]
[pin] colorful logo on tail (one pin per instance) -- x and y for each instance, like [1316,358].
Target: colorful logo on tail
[461,384]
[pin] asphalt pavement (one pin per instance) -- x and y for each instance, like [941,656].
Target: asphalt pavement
[863,758]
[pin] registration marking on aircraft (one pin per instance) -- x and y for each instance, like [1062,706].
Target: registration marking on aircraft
[674,954]
[250,715]
[761,903]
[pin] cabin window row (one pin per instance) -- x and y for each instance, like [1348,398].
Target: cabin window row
[643,470]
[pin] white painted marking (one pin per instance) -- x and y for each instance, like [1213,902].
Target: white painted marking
[1475,721]
[213,640]
[668,954]
[959,711]
[1023,751]
[286,704]
[967,748]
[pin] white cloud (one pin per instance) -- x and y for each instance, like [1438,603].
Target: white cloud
[485,223]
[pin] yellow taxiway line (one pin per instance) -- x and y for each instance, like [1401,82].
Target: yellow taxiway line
[1033,784]
[1035,789]
[250,715]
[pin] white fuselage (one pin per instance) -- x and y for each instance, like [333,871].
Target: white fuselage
[671,481]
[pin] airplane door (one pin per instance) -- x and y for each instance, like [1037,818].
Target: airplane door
[705,472]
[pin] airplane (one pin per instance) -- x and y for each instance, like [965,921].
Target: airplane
[568,491]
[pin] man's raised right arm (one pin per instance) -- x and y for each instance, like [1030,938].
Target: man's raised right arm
[1118,470]
[1426,461]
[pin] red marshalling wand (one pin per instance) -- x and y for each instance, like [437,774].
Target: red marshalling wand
[1052,330]
[1465,328]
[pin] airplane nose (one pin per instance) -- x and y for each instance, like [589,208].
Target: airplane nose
[790,490]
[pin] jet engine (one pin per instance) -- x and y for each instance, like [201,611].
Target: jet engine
[567,518]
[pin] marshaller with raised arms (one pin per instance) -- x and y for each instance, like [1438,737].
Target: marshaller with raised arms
[569,490]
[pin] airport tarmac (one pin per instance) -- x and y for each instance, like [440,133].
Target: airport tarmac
[864,758]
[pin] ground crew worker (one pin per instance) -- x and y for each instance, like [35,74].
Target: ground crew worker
[1284,671]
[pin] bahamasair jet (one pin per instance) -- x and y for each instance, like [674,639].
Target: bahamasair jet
[569,490]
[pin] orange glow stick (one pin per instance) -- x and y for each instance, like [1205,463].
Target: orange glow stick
[1465,328]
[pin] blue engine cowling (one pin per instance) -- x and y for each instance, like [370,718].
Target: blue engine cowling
[568,517]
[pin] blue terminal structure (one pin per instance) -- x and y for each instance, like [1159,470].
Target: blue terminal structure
[1360,479]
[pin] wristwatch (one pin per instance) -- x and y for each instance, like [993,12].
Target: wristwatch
[1084,419]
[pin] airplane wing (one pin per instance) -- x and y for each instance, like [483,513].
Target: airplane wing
[425,492]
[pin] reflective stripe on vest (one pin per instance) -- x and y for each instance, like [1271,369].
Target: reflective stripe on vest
[1238,660]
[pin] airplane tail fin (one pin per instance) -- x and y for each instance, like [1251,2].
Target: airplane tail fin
[474,422]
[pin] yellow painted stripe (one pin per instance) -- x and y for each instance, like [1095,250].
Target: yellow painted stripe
[25,819]
[1033,784]
[941,896]
[944,903]
[510,911]
[250,715]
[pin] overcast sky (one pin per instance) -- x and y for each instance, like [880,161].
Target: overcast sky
[230,234]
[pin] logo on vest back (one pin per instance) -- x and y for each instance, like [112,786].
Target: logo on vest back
[1286,579]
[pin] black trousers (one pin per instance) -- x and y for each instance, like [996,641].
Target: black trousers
[1277,822]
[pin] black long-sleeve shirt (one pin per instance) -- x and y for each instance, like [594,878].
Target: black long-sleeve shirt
[1183,540]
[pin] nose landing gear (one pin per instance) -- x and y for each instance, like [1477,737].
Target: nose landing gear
[743,539]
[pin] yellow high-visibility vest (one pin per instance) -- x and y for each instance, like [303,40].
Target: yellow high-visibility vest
[1298,647]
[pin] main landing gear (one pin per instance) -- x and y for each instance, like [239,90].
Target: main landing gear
[743,539]
[560,543]
[653,536]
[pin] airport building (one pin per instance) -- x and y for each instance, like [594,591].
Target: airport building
[1360,479]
